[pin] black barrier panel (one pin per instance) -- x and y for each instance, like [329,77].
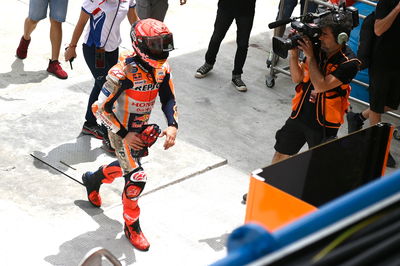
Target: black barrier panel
[373,240]
[329,170]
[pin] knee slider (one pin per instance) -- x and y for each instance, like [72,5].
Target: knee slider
[132,191]
[134,186]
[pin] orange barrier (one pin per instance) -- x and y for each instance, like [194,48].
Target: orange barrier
[273,208]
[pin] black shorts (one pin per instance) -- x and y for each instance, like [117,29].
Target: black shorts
[294,134]
[384,90]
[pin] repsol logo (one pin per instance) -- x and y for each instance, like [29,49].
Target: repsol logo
[147,87]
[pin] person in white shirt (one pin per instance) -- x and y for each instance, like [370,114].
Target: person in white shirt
[100,49]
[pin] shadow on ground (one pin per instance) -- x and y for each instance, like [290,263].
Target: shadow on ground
[107,236]
[23,77]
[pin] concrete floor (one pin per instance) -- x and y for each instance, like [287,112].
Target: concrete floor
[192,200]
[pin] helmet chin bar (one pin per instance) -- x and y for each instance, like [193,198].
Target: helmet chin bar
[154,63]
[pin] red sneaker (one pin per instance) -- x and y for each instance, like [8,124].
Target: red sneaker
[136,236]
[22,49]
[56,69]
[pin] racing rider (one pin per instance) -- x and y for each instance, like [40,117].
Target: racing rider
[124,106]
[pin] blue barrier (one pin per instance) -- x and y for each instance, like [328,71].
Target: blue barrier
[251,242]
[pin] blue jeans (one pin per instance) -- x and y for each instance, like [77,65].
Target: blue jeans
[99,74]
[223,21]
[38,9]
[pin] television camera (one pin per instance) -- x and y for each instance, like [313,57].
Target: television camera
[308,25]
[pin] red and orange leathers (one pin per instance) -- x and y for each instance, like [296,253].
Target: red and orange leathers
[330,105]
[125,105]
[129,94]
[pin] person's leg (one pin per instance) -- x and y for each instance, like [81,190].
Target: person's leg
[90,126]
[320,135]
[279,157]
[58,13]
[89,55]
[29,27]
[311,7]
[37,12]
[355,121]
[289,140]
[159,9]
[244,26]
[377,99]
[55,38]
[93,181]
[392,101]
[143,9]
[374,118]
[222,23]
[365,114]
[135,181]
[99,75]
[284,12]
[381,91]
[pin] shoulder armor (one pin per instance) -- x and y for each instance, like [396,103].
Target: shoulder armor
[116,74]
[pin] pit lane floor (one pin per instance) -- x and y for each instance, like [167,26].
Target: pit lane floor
[193,197]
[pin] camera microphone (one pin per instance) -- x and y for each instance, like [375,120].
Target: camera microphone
[278,23]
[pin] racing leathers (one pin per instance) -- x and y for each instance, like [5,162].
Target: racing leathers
[124,105]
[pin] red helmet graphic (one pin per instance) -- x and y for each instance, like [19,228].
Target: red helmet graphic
[152,41]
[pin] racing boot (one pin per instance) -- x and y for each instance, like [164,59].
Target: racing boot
[136,236]
[92,182]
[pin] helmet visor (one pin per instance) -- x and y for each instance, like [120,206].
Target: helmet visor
[157,45]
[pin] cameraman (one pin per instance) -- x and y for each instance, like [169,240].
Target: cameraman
[322,92]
